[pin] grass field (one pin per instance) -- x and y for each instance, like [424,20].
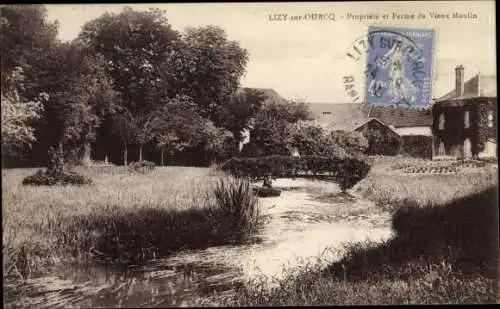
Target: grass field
[389,188]
[122,217]
[445,248]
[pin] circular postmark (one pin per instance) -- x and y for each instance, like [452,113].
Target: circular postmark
[396,67]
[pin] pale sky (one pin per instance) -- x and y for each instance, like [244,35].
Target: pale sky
[307,59]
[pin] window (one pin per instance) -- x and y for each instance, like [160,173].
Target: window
[441,121]
[467,148]
[466,119]
[490,119]
[327,113]
[441,149]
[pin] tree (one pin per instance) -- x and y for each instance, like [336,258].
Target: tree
[139,48]
[17,115]
[182,125]
[271,130]
[175,119]
[215,142]
[236,114]
[25,37]
[354,142]
[210,68]
[81,95]
[140,129]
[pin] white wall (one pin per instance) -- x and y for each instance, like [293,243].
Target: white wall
[414,131]
[490,149]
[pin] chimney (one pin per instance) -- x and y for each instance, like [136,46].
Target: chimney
[459,81]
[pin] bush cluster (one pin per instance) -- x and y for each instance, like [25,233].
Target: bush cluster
[346,171]
[56,173]
[48,178]
[142,166]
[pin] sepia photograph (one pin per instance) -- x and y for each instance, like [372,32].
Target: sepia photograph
[249,154]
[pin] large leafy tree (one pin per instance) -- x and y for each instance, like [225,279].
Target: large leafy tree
[210,67]
[237,114]
[81,94]
[138,47]
[26,37]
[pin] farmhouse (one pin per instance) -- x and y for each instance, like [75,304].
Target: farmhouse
[465,119]
[410,126]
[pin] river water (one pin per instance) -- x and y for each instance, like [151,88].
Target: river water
[309,223]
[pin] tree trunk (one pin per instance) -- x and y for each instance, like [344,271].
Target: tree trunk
[140,152]
[162,151]
[87,150]
[125,151]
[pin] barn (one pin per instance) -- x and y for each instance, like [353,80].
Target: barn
[411,125]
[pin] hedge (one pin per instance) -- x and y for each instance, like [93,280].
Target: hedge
[345,171]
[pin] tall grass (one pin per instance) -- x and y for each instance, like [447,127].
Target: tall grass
[236,201]
[124,217]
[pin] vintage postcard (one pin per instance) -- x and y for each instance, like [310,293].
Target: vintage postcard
[249,154]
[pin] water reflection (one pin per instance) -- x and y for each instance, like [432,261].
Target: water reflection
[298,227]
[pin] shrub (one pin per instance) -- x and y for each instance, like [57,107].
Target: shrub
[48,178]
[142,166]
[56,174]
[237,204]
[345,171]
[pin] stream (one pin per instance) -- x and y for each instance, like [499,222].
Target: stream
[301,226]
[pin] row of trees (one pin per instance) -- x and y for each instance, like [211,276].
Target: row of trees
[129,81]
[127,77]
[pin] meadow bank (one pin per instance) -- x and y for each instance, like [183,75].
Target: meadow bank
[123,217]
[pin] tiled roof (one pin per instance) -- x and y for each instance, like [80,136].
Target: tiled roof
[374,119]
[478,86]
[402,116]
[347,116]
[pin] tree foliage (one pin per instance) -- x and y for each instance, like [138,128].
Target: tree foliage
[485,119]
[210,68]
[237,113]
[81,94]
[25,37]
[271,130]
[138,47]
[17,130]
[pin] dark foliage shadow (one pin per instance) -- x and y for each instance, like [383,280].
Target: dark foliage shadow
[463,233]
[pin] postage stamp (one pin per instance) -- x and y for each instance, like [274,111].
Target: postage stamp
[398,67]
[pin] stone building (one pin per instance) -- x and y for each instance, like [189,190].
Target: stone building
[465,119]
